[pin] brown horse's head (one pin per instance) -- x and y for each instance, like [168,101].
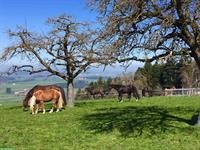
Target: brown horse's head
[25,104]
[27,98]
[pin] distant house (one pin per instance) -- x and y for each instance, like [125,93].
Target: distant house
[82,78]
[21,93]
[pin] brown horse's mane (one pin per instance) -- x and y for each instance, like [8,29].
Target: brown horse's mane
[42,87]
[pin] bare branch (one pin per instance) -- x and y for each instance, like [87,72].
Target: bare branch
[131,26]
[66,51]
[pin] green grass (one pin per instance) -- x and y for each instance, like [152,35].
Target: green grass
[20,86]
[157,123]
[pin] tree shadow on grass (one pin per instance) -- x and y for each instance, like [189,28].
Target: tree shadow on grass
[136,121]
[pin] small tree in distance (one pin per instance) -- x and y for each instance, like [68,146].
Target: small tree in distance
[66,51]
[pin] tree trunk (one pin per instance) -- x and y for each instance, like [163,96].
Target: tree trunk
[70,94]
[196,55]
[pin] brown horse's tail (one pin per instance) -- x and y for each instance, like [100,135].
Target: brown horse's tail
[60,101]
[63,95]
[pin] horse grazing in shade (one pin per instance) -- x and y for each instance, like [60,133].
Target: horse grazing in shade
[95,91]
[29,95]
[122,89]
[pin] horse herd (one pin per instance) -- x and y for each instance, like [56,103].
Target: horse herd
[39,94]
[121,89]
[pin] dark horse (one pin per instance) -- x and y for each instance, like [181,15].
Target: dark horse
[122,89]
[146,92]
[95,91]
[42,87]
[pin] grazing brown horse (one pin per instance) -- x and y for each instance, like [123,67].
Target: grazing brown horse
[41,96]
[95,91]
[26,101]
[122,89]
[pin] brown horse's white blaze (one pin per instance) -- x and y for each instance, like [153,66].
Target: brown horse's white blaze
[41,96]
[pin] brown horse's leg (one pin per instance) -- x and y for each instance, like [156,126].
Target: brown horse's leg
[129,96]
[57,109]
[136,95]
[36,107]
[42,107]
[32,104]
[51,110]
[52,107]
[102,95]
[57,106]
[120,97]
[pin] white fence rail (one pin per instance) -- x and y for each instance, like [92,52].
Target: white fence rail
[182,92]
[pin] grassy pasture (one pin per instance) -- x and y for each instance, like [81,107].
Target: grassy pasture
[151,124]
[20,86]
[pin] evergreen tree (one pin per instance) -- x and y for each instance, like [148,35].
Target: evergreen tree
[149,75]
[155,76]
[169,74]
[100,81]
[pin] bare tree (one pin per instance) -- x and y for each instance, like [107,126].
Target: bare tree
[150,30]
[65,51]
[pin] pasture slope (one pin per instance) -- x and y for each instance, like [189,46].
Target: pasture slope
[157,123]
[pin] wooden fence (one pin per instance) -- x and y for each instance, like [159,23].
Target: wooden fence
[182,92]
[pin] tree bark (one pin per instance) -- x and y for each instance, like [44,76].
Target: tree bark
[70,94]
[196,55]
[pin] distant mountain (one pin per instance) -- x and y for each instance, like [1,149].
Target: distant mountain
[91,74]
[112,71]
[4,79]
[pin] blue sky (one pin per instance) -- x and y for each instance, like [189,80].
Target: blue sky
[34,13]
